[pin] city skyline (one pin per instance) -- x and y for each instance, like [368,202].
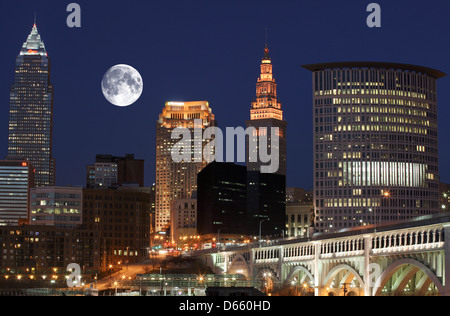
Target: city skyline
[112,169]
[228,51]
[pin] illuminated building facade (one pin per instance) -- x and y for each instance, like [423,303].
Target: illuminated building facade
[16,180]
[265,114]
[31,110]
[183,221]
[298,219]
[61,207]
[178,180]
[375,143]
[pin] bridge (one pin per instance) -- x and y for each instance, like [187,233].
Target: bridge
[405,259]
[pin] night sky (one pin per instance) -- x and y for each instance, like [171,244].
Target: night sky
[208,50]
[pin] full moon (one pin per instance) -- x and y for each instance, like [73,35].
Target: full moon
[122,85]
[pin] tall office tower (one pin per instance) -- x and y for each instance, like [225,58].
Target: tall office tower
[178,180]
[31,110]
[375,143]
[266,113]
[16,179]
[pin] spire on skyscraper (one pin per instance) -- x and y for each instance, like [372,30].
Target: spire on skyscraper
[34,44]
[266,48]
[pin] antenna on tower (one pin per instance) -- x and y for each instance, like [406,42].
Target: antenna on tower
[35,19]
[266,37]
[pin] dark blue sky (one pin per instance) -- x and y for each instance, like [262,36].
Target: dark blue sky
[208,50]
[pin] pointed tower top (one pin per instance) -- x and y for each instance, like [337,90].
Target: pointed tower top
[34,44]
[34,25]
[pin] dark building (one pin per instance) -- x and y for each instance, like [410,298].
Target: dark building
[111,171]
[122,218]
[266,203]
[222,199]
[236,201]
[31,110]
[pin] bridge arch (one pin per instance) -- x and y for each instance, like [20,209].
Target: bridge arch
[239,265]
[296,271]
[406,270]
[350,275]
[268,279]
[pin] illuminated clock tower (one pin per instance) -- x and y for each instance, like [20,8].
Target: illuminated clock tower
[266,113]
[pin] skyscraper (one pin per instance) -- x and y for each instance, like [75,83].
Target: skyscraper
[375,143]
[178,180]
[31,110]
[266,113]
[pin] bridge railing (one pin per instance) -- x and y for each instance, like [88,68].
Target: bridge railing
[416,240]
[342,248]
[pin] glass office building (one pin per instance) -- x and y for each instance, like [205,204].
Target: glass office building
[16,179]
[375,143]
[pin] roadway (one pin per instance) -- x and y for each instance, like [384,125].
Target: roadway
[129,272]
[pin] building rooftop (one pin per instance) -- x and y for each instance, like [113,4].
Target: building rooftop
[379,65]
